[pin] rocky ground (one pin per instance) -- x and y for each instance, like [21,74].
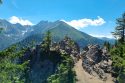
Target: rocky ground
[94,65]
[84,77]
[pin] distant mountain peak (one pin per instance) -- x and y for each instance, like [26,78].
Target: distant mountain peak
[59,29]
[43,22]
[55,23]
[3,21]
[17,24]
[60,22]
[106,38]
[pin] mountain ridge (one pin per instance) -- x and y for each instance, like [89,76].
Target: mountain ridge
[17,33]
[59,30]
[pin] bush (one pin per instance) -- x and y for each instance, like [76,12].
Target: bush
[118,58]
[10,70]
[64,73]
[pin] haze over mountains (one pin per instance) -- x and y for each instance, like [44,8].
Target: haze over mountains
[14,33]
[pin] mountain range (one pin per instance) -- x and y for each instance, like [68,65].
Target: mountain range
[25,35]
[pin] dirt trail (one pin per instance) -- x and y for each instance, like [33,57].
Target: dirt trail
[84,77]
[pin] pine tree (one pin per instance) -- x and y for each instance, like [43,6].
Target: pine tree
[11,70]
[47,41]
[118,52]
[107,45]
[119,32]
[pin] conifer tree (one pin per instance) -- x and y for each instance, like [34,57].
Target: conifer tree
[11,70]
[118,52]
[119,32]
[47,41]
[107,45]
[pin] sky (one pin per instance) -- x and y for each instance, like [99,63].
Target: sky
[94,17]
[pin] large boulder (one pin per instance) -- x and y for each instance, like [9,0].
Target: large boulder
[96,60]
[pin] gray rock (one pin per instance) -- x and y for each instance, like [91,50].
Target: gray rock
[68,46]
[96,60]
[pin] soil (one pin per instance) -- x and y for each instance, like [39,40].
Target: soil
[84,77]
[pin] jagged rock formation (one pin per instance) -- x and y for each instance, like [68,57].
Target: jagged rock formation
[43,64]
[68,46]
[96,61]
[39,69]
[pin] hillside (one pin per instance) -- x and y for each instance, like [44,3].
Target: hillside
[39,64]
[49,62]
[12,33]
[24,35]
[59,30]
[63,29]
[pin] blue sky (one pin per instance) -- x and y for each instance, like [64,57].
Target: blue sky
[94,11]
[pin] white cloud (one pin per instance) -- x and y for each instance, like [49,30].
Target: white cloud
[15,20]
[101,36]
[81,23]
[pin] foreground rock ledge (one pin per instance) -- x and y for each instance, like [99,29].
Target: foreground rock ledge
[96,61]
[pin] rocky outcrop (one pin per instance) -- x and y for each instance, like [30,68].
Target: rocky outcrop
[39,69]
[96,61]
[68,46]
[43,64]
